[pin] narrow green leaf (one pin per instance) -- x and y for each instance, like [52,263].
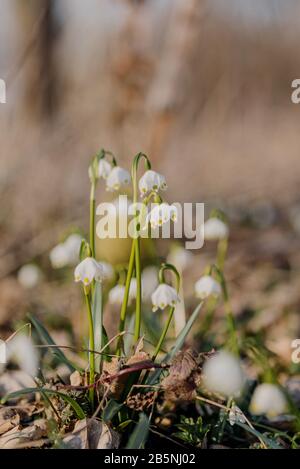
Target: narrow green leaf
[76,407]
[111,410]
[140,433]
[256,433]
[46,339]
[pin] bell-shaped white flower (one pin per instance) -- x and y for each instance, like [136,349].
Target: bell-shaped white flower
[152,181]
[215,229]
[149,281]
[117,179]
[164,296]
[104,168]
[160,214]
[21,351]
[116,294]
[207,286]
[29,276]
[87,271]
[222,374]
[107,269]
[268,399]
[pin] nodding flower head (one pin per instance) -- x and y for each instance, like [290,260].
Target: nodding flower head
[152,181]
[107,270]
[66,253]
[87,271]
[104,168]
[160,214]
[117,179]
[222,374]
[21,351]
[164,296]
[215,229]
[207,286]
[116,294]
[268,399]
[29,275]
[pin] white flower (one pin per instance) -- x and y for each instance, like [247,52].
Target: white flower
[149,281]
[29,275]
[116,294]
[104,168]
[215,229]
[152,181]
[107,269]
[268,399]
[164,296]
[236,415]
[207,286]
[117,178]
[20,350]
[161,213]
[87,271]
[180,257]
[223,374]
[72,246]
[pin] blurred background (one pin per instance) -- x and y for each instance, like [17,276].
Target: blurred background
[202,86]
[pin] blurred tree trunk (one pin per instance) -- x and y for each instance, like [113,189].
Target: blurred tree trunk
[38,33]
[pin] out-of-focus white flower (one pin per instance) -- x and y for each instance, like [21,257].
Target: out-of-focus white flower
[268,399]
[116,294]
[180,257]
[117,179]
[72,245]
[152,181]
[149,281]
[223,374]
[20,350]
[207,286]
[215,229]
[29,275]
[66,253]
[160,214]
[164,296]
[87,271]
[107,269]
[236,415]
[104,168]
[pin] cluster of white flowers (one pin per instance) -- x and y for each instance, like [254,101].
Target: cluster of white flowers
[207,286]
[29,276]
[215,229]
[223,374]
[152,181]
[164,296]
[66,253]
[268,399]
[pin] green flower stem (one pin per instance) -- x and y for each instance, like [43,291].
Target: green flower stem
[138,311]
[221,253]
[91,344]
[163,334]
[127,287]
[161,276]
[92,217]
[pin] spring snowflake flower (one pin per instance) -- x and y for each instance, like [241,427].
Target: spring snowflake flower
[215,229]
[117,179]
[104,168]
[160,214]
[107,269]
[21,351]
[207,286]
[268,399]
[152,181]
[87,271]
[223,374]
[66,253]
[116,294]
[29,276]
[164,296]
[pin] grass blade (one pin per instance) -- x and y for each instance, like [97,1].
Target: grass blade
[140,433]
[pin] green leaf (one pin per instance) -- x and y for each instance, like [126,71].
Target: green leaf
[47,340]
[256,433]
[76,407]
[153,378]
[140,433]
[111,410]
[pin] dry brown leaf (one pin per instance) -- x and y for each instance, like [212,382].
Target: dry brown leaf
[92,434]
